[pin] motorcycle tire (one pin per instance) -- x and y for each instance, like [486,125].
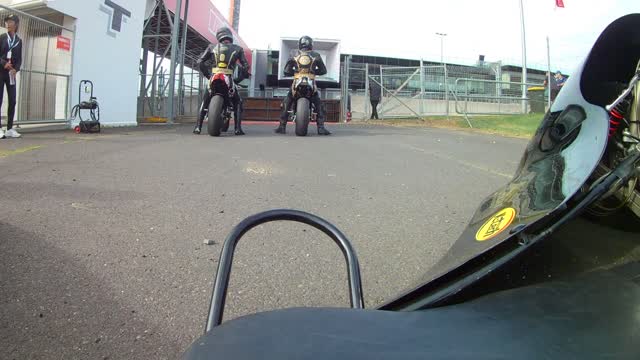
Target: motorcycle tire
[214,125]
[302,116]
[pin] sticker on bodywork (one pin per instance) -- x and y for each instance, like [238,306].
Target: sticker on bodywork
[496,224]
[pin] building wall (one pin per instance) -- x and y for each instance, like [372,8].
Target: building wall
[106,56]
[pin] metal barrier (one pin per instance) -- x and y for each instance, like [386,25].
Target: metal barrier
[491,97]
[193,86]
[43,84]
[438,89]
[407,91]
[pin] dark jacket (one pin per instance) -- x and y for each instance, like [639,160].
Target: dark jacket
[16,52]
[222,55]
[296,63]
[375,91]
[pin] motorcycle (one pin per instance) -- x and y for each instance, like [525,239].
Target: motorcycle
[303,111]
[224,87]
[541,271]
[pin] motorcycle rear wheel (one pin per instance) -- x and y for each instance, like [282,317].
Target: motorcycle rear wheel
[214,125]
[302,116]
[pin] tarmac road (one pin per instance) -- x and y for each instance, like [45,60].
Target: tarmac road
[101,236]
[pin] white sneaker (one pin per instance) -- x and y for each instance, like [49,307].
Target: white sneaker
[2,134]
[12,133]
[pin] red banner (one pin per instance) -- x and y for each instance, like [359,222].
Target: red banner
[63,43]
[206,20]
[560,3]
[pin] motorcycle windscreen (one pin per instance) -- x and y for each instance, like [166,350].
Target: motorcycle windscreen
[562,154]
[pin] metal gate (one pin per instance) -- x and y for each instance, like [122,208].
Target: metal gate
[491,97]
[43,84]
[406,92]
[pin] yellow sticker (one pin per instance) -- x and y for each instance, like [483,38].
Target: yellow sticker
[496,224]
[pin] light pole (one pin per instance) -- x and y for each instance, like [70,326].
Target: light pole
[524,61]
[442,35]
[446,87]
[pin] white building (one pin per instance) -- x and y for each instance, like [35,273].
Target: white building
[105,39]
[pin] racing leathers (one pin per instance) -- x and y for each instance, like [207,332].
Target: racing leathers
[306,62]
[222,59]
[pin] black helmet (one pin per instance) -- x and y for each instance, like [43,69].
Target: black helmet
[305,43]
[224,34]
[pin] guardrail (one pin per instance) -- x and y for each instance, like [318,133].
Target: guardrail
[495,97]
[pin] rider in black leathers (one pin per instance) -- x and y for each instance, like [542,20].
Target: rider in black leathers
[316,67]
[222,58]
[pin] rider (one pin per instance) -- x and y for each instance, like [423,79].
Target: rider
[224,56]
[293,67]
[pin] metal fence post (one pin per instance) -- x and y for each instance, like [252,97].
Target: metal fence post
[154,76]
[366,91]
[345,88]
[382,102]
[446,88]
[175,34]
[183,51]
[143,77]
[70,79]
[44,86]
[421,87]
[28,110]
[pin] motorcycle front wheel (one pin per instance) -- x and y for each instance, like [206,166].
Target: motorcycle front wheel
[302,116]
[214,125]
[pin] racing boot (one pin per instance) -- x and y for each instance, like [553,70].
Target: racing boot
[237,125]
[284,116]
[320,121]
[282,128]
[237,116]
[317,103]
[322,130]
[198,129]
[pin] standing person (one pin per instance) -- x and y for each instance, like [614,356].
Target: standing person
[375,92]
[10,62]
[560,79]
[303,61]
[224,56]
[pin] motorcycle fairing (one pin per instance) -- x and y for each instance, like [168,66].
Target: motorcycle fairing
[557,162]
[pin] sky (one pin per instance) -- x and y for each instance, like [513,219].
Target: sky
[406,28]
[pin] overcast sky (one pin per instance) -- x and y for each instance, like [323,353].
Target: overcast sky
[406,28]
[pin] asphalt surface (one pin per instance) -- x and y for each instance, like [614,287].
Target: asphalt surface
[102,252]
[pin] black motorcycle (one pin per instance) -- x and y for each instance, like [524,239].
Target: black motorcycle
[542,271]
[303,111]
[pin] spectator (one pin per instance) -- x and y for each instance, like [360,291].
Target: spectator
[10,61]
[560,79]
[553,86]
[375,93]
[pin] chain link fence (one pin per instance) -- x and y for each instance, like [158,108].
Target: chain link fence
[432,89]
[155,102]
[437,89]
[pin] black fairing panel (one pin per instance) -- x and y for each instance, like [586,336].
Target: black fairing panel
[593,316]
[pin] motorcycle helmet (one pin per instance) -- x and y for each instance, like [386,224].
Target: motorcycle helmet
[224,34]
[305,43]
